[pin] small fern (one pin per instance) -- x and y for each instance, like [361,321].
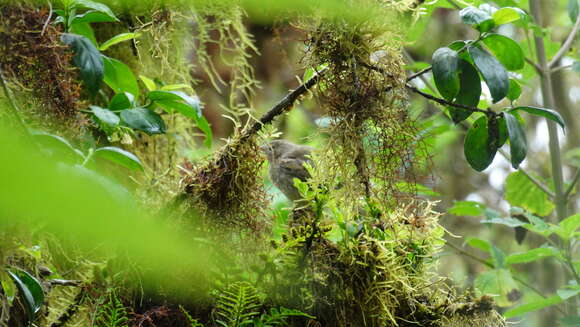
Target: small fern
[112,313]
[238,305]
[192,322]
[278,317]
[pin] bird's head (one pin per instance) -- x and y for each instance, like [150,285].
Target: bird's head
[276,148]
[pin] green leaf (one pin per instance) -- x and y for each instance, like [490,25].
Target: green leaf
[446,72]
[539,226]
[118,39]
[478,18]
[105,116]
[88,59]
[506,50]
[496,282]
[508,15]
[521,192]
[119,77]
[93,16]
[122,101]
[479,243]
[567,293]
[498,257]
[96,6]
[510,222]
[119,156]
[533,306]
[469,91]
[190,112]
[573,10]
[149,83]
[531,255]
[466,208]
[576,67]
[480,145]
[570,321]
[546,113]
[517,137]
[60,147]
[176,96]
[568,227]
[144,120]
[493,72]
[175,87]
[515,90]
[84,29]
[31,290]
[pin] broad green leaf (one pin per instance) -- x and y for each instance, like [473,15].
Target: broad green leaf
[84,29]
[100,7]
[119,77]
[506,50]
[93,16]
[32,292]
[466,208]
[518,141]
[523,193]
[566,293]
[88,59]
[532,306]
[498,257]
[119,156]
[539,226]
[479,243]
[510,222]
[446,72]
[573,10]
[144,120]
[546,113]
[190,112]
[105,116]
[503,132]
[496,282]
[149,83]
[478,18]
[118,39]
[122,101]
[493,72]
[570,321]
[469,91]
[480,145]
[531,255]
[515,90]
[175,87]
[508,15]
[568,227]
[61,147]
[176,96]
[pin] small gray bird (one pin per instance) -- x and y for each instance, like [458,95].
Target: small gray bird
[286,163]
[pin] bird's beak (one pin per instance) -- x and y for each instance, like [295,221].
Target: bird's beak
[265,148]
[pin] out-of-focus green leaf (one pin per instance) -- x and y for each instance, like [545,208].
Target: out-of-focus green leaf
[62,148]
[493,72]
[531,255]
[144,120]
[466,208]
[149,83]
[479,243]
[515,90]
[118,39]
[119,77]
[506,50]
[568,227]
[496,282]
[511,222]
[523,193]
[508,15]
[88,59]
[119,156]
[546,113]
[532,306]
[573,10]
[570,321]
[446,72]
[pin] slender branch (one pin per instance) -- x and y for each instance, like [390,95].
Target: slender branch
[572,183]
[532,179]
[424,71]
[283,105]
[445,102]
[535,65]
[567,44]
[422,77]
[559,68]
[47,18]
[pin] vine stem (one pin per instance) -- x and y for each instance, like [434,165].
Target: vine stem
[567,44]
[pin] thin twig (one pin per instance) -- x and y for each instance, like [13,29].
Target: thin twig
[572,183]
[559,68]
[567,44]
[532,179]
[47,19]
[535,65]
[489,265]
[417,74]
[445,102]
[422,77]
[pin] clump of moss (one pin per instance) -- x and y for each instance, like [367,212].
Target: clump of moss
[35,60]
[228,189]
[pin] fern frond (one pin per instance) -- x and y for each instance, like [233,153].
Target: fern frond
[238,305]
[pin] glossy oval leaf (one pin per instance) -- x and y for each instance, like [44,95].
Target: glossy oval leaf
[176,96]
[508,15]
[518,141]
[493,72]
[144,120]
[515,90]
[149,83]
[479,19]
[97,6]
[480,146]
[105,116]
[506,50]
[543,112]
[119,77]
[32,292]
[118,39]
[122,101]
[93,16]
[188,111]
[446,72]
[119,156]
[88,59]
[469,91]
[533,306]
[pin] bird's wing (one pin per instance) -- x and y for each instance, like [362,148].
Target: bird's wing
[294,167]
